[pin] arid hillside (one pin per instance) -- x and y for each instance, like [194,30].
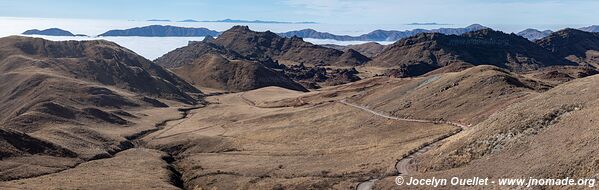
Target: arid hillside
[241,59]
[218,72]
[67,102]
[550,135]
[369,49]
[426,52]
[205,64]
[290,51]
[468,96]
[95,115]
[575,45]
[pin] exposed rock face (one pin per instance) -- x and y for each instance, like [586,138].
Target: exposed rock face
[311,33]
[50,32]
[161,31]
[534,34]
[575,45]
[429,51]
[208,39]
[291,51]
[220,63]
[316,77]
[379,35]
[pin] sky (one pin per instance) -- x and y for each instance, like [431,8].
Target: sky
[323,11]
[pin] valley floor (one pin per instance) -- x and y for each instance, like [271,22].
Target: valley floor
[261,139]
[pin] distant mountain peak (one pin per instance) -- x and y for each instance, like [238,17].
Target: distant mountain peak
[159,20]
[189,20]
[239,28]
[484,32]
[50,32]
[379,34]
[534,34]
[476,26]
[572,42]
[228,20]
[161,31]
[593,28]
[426,24]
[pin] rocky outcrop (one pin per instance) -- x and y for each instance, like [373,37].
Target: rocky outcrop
[290,51]
[429,51]
[575,45]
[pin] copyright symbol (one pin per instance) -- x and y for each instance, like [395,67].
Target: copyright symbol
[399,180]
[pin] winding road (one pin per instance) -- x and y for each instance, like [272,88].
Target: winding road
[403,165]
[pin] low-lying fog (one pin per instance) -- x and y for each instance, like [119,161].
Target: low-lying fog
[154,47]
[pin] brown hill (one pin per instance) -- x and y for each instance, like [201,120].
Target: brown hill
[369,49]
[550,135]
[193,51]
[210,65]
[561,74]
[575,45]
[218,72]
[40,75]
[63,102]
[285,50]
[426,52]
[468,96]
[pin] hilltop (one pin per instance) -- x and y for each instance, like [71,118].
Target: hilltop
[426,52]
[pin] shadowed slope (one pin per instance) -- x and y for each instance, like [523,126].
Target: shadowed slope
[426,52]
[575,45]
[69,101]
[285,50]
[209,65]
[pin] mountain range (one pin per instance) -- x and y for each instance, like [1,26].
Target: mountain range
[241,59]
[575,45]
[379,35]
[594,28]
[159,20]
[534,34]
[257,21]
[161,31]
[234,112]
[50,32]
[426,52]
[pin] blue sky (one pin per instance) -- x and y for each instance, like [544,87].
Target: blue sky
[324,11]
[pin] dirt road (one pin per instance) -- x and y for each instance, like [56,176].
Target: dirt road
[403,166]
